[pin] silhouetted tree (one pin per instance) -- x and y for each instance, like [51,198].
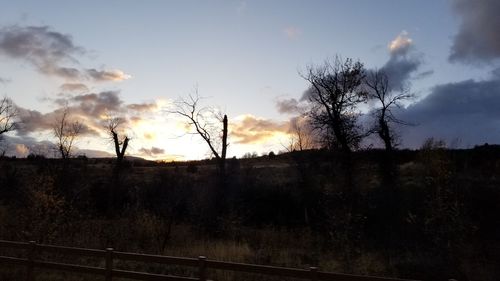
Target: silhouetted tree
[388,99]
[8,113]
[66,132]
[301,136]
[205,122]
[335,92]
[201,119]
[120,142]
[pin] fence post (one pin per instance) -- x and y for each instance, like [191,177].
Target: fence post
[313,273]
[109,264]
[203,268]
[30,275]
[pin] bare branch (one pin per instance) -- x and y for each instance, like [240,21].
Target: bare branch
[197,117]
[379,89]
[120,142]
[66,132]
[8,114]
[334,94]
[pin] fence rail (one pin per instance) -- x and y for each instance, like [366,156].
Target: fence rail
[33,250]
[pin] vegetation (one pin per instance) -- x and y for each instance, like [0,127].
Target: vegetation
[439,221]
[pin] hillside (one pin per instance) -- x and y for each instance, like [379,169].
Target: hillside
[435,216]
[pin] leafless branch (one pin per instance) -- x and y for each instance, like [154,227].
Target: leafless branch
[8,113]
[66,132]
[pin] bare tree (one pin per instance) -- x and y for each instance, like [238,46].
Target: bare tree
[120,142]
[202,120]
[212,127]
[335,92]
[300,135]
[66,132]
[8,113]
[380,90]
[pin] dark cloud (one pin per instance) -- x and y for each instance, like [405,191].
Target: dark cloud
[466,110]
[97,105]
[51,53]
[289,106]
[478,38]
[91,109]
[496,73]
[87,108]
[424,74]
[153,151]
[399,69]
[33,120]
[403,61]
[42,47]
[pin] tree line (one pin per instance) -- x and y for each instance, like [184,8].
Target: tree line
[337,88]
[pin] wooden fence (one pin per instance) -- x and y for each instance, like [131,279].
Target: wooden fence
[33,251]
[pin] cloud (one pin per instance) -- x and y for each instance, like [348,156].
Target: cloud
[143,107]
[97,104]
[22,147]
[496,73]
[478,39]
[33,120]
[467,110]
[42,47]
[21,150]
[92,153]
[403,62]
[91,109]
[51,53]
[63,72]
[401,44]
[424,74]
[74,87]
[292,32]
[4,80]
[107,75]
[289,106]
[152,152]
[249,129]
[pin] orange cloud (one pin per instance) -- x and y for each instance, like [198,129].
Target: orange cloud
[250,129]
[401,43]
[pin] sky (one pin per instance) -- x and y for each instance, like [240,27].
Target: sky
[136,60]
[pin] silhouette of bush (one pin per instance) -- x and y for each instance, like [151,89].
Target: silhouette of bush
[192,168]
